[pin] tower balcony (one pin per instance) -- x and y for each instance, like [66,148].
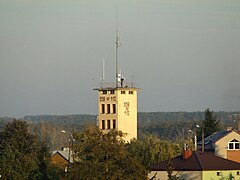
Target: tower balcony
[114,85]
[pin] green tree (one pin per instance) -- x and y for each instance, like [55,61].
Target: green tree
[104,156]
[22,156]
[209,125]
[150,149]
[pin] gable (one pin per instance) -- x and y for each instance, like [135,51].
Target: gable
[58,159]
[229,137]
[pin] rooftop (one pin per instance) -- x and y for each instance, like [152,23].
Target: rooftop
[215,137]
[64,154]
[198,161]
[113,85]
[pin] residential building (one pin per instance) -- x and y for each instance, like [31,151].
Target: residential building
[225,144]
[62,159]
[198,166]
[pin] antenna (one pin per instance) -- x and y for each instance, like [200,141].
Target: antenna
[117,43]
[132,80]
[103,70]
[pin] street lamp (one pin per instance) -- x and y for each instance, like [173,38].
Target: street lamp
[195,136]
[70,140]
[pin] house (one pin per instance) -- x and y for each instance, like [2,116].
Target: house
[198,166]
[225,144]
[61,158]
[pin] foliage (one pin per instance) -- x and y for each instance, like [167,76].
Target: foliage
[49,127]
[209,125]
[104,156]
[171,126]
[170,169]
[21,155]
[150,149]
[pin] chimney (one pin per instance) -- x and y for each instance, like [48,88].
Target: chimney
[229,128]
[187,154]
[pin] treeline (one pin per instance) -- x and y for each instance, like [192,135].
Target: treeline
[69,120]
[97,155]
[171,126]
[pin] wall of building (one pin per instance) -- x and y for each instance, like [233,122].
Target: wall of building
[186,175]
[217,175]
[58,160]
[127,112]
[221,146]
[233,155]
[106,99]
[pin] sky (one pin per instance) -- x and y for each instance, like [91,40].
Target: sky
[183,54]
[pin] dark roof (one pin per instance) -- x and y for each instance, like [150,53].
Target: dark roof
[215,137]
[208,141]
[198,161]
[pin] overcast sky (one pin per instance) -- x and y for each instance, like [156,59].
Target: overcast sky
[184,54]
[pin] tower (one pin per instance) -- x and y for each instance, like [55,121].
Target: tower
[117,102]
[117,108]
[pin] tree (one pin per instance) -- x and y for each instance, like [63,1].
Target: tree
[170,169]
[150,149]
[22,156]
[209,125]
[104,156]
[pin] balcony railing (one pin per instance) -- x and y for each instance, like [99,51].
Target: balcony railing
[112,85]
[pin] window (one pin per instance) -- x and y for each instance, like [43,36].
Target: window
[108,124]
[234,145]
[219,173]
[237,146]
[123,92]
[112,92]
[108,109]
[114,108]
[104,92]
[130,92]
[102,108]
[114,123]
[230,146]
[103,124]
[238,173]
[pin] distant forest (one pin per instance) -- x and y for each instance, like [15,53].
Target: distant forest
[171,126]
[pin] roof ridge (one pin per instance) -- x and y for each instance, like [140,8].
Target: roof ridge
[198,159]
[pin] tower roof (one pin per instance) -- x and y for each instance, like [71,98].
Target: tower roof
[112,86]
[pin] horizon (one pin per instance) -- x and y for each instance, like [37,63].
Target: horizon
[137,112]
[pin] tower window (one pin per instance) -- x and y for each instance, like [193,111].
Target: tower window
[130,92]
[108,109]
[114,123]
[123,92]
[103,124]
[108,124]
[104,92]
[112,92]
[114,108]
[102,108]
[234,145]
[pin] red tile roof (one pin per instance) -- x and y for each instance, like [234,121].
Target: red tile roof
[197,162]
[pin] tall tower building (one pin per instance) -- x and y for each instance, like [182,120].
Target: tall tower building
[117,102]
[117,108]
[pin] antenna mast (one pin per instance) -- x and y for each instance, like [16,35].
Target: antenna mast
[117,44]
[103,70]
